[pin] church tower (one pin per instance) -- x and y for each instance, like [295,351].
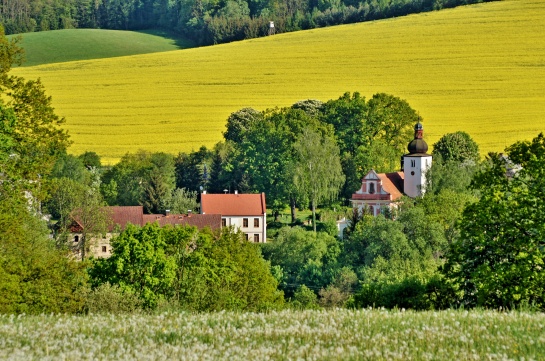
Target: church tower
[416,164]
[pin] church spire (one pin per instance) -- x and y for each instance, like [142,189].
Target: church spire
[418,145]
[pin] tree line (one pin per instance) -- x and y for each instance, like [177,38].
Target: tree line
[474,239]
[205,21]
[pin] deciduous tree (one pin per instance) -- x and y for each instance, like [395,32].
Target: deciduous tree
[317,169]
[500,256]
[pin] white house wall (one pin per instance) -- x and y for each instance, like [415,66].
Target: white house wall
[238,223]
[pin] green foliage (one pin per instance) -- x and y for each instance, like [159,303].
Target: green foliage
[138,264]
[112,299]
[499,258]
[317,169]
[458,147]
[90,160]
[304,299]
[240,122]
[189,268]
[35,277]
[370,135]
[143,178]
[30,130]
[183,201]
[71,167]
[190,169]
[305,258]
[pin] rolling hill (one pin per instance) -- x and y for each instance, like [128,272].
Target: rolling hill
[84,44]
[476,68]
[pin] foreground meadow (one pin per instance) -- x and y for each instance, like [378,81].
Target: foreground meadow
[476,68]
[288,335]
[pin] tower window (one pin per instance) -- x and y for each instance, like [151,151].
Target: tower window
[413,163]
[76,238]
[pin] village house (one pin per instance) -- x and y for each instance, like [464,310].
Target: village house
[121,216]
[244,212]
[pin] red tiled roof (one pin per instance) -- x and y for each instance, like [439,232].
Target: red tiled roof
[198,220]
[233,204]
[121,215]
[393,183]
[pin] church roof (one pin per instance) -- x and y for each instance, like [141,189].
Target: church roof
[393,183]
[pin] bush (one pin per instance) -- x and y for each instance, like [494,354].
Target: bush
[112,299]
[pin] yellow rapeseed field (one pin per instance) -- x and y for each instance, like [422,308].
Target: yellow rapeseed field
[477,68]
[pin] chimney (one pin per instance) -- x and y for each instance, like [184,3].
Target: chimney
[203,192]
[189,211]
[167,212]
[236,192]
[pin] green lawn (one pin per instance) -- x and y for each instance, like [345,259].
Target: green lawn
[83,44]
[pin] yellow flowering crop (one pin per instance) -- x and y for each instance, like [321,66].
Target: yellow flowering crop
[477,68]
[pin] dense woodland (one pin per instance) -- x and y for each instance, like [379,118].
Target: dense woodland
[475,239]
[205,21]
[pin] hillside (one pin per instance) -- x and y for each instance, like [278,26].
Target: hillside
[83,44]
[477,68]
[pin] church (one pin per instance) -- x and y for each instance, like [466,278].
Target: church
[380,191]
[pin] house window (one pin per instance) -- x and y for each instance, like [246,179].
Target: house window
[256,222]
[245,222]
[103,249]
[247,237]
[223,222]
[371,188]
[76,238]
[256,238]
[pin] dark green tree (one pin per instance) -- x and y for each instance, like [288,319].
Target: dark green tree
[305,258]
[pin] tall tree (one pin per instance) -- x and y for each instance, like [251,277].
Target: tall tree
[317,169]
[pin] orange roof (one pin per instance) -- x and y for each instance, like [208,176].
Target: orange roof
[233,204]
[392,183]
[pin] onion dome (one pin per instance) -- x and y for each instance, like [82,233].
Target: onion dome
[418,145]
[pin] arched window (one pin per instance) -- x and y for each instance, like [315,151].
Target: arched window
[371,188]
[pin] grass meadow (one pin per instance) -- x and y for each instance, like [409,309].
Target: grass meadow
[478,68]
[287,335]
[58,46]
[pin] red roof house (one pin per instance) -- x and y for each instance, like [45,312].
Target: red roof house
[245,212]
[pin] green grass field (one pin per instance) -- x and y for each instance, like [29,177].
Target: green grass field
[83,44]
[287,335]
[477,68]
